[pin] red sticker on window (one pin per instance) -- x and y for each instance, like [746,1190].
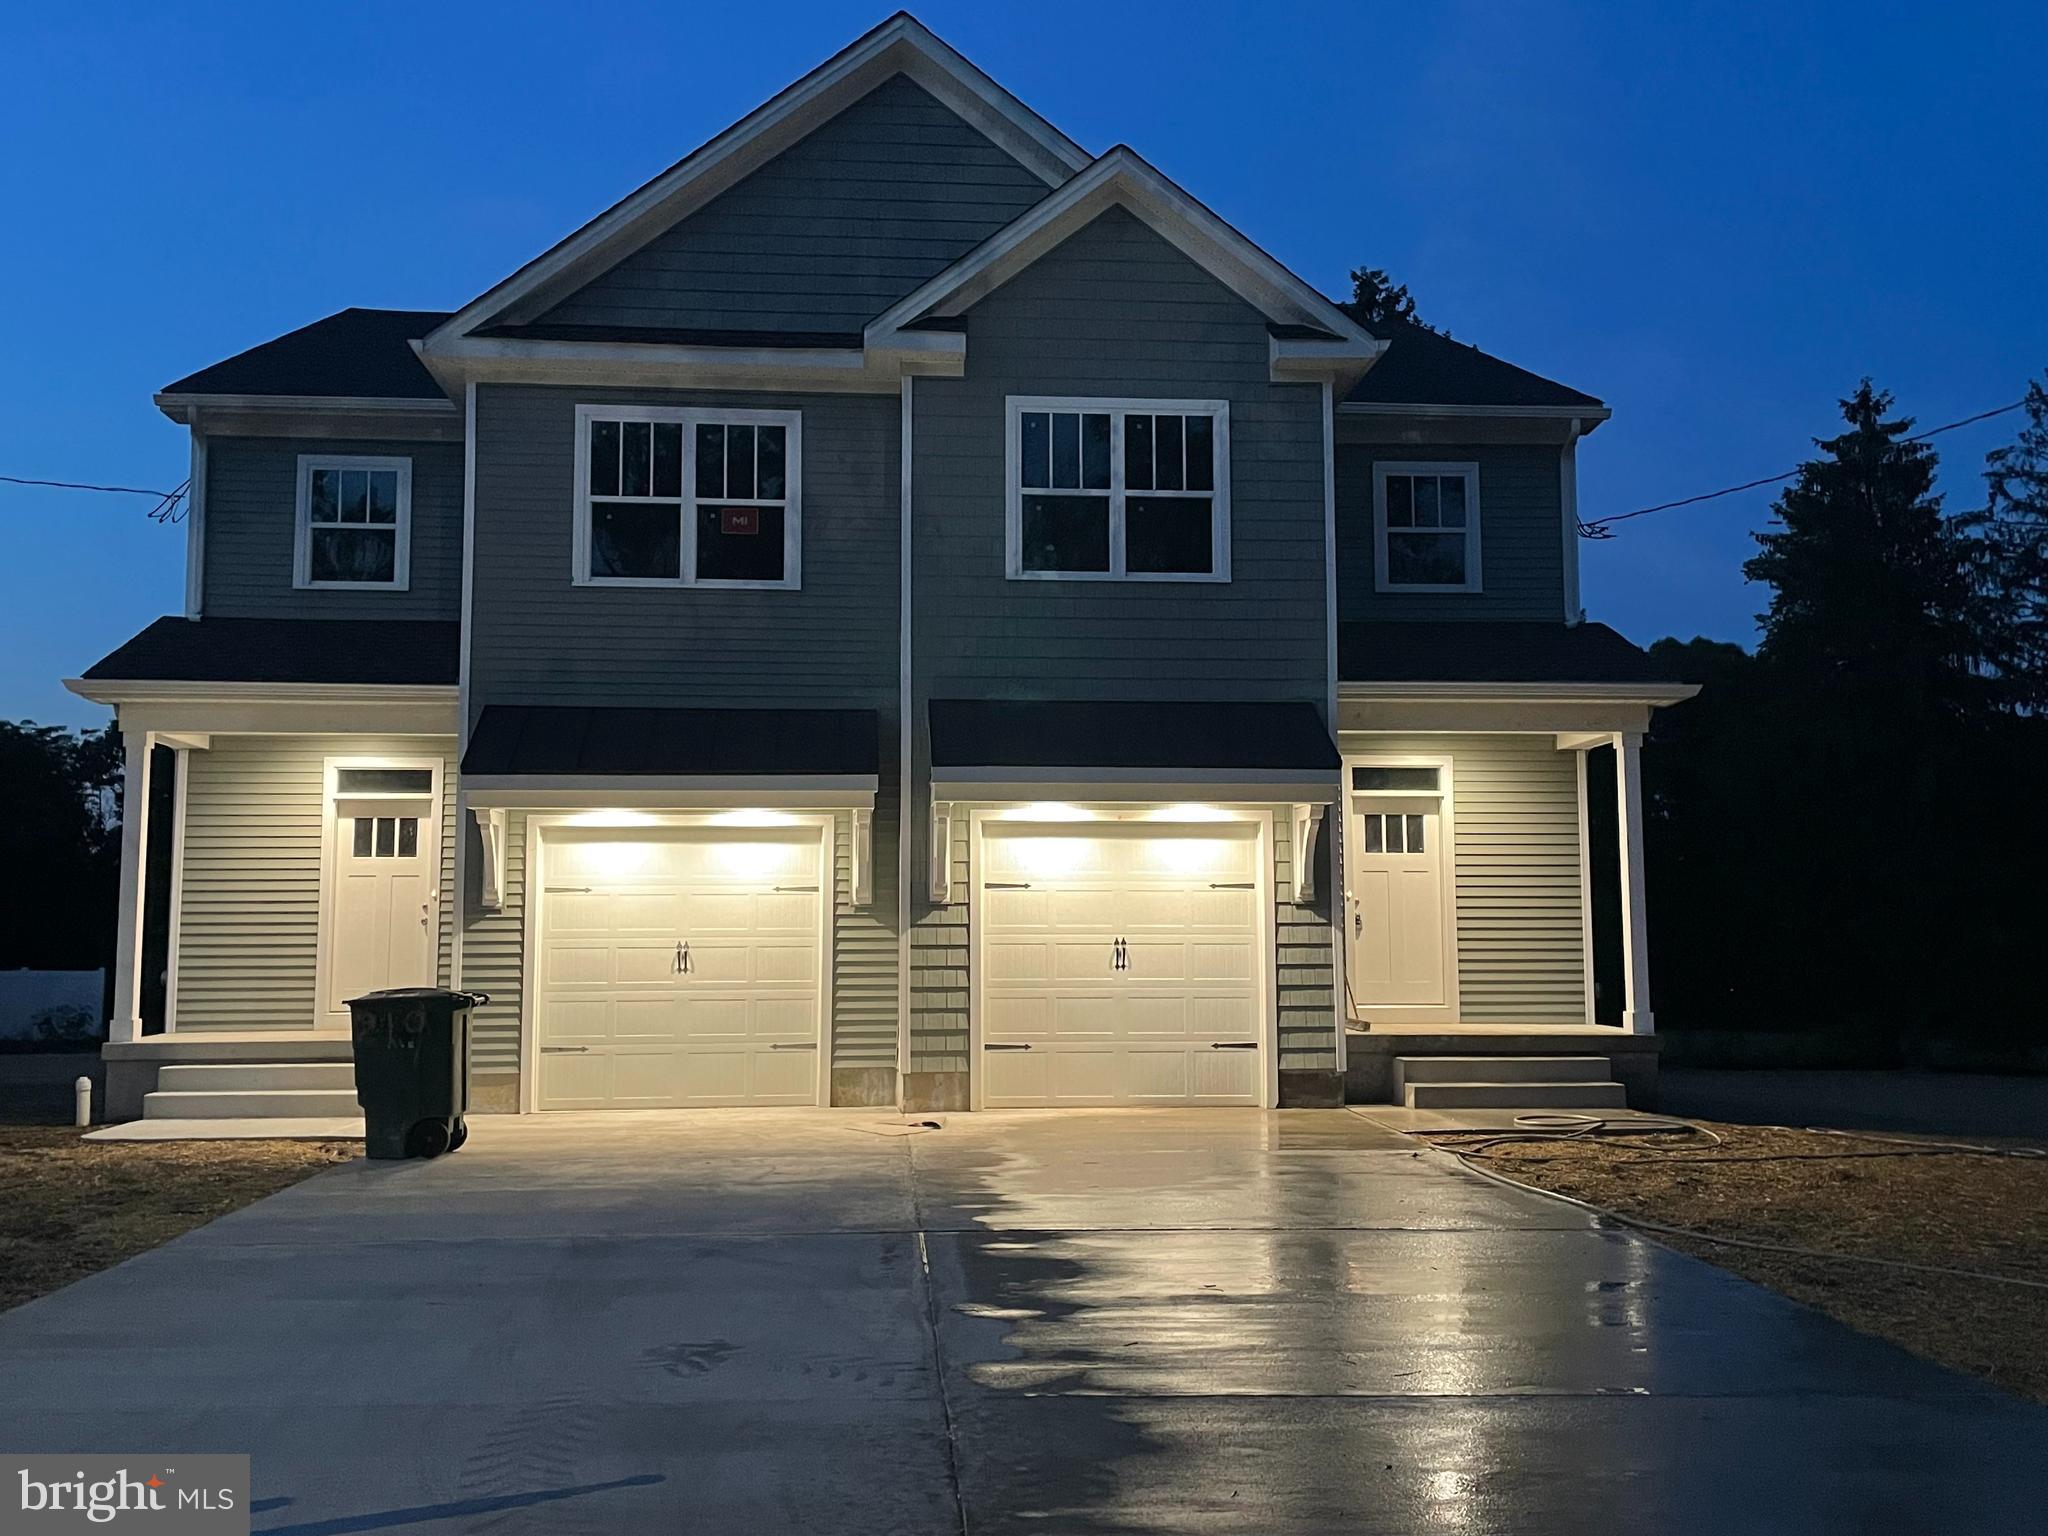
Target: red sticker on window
[739,520]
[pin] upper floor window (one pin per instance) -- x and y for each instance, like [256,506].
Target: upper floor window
[1118,490]
[354,522]
[1425,527]
[674,496]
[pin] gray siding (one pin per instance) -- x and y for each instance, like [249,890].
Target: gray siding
[1521,536]
[828,234]
[249,910]
[1304,972]
[1521,933]
[1116,311]
[538,639]
[251,512]
[493,950]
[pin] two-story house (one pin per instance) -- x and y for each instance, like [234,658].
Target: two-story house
[899,610]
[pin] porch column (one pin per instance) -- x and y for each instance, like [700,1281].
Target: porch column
[1636,1015]
[126,1024]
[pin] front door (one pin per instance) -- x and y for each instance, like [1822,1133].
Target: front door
[1395,867]
[381,919]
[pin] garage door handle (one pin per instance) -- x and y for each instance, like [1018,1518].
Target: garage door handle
[1233,885]
[1006,885]
[563,1050]
[1233,1045]
[793,1045]
[568,890]
[997,1046]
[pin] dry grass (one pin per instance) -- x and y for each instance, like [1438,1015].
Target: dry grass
[1812,1190]
[69,1207]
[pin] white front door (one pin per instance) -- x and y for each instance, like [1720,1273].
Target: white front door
[1120,965]
[381,920]
[679,967]
[1395,870]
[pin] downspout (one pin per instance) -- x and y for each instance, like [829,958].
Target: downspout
[903,748]
[457,904]
[195,525]
[1568,494]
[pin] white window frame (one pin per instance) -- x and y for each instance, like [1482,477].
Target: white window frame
[1406,468]
[302,538]
[690,418]
[1117,408]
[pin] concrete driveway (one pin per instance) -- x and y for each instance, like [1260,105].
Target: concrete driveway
[1150,1321]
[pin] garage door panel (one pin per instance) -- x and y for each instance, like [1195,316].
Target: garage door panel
[1182,906]
[644,1033]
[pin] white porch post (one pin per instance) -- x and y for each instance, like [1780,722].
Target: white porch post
[1636,1015]
[126,1023]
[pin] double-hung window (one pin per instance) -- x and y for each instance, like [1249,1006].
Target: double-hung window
[1118,490]
[675,496]
[354,523]
[1425,524]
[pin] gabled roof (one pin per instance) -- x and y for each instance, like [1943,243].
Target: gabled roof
[363,354]
[1424,367]
[1312,325]
[900,45]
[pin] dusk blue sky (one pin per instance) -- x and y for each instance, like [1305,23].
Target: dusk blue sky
[1717,217]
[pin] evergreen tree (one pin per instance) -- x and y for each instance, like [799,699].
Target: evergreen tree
[1378,301]
[2010,564]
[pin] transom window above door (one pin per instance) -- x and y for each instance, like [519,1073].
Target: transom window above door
[1425,523]
[1117,490]
[354,522]
[672,496]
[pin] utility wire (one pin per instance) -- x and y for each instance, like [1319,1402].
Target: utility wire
[167,505]
[1599,527]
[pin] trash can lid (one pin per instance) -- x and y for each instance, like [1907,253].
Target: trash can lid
[422,995]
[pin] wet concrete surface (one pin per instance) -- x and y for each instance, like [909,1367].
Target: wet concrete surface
[1152,1321]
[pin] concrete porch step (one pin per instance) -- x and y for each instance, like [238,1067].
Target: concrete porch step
[1499,1069]
[1537,1095]
[256,1076]
[267,1104]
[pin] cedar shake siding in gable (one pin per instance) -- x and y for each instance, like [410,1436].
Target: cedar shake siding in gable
[251,525]
[1521,535]
[828,234]
[537,638]
[1118,312]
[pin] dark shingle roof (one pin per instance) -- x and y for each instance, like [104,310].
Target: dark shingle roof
[1478,651]
[358,354]
[377,651]
[1038,733]
[551,739]
[1421,367]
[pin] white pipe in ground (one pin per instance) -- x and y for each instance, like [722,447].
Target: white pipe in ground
[81,1092]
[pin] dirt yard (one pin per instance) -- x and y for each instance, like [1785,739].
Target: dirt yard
[69,1207]
[1839,1195]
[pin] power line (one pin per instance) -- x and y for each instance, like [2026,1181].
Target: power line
[1598,527]
[167,502]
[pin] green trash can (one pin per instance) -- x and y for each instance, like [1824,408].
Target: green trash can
[412,1068]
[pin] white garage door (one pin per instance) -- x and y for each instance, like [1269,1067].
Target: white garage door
[1120,965]
[678,968]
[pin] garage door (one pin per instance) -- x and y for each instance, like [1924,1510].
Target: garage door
[678,968]
[1120,965]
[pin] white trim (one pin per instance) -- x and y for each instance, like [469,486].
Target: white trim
[490,827]
[195,528]
[330,823]
[188,410]
[1594,414]
[1116,497]
[1304,820]
[687,419]
[1585,879]
[171,690]
[1447,852]
[901,44]
[468,555]
[905,738]
[590,792]
[860,858]
[1652,694]
[1568,497]
[509,360]
[401,528]
[125,1023]
[1637,1017]
[1259,818]
[1385,469]
[1122,178]
[939,846]
[532,936]
[1137,786]
[1329,395]
[180,785]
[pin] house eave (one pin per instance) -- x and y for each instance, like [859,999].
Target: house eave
[1654,695]
[192,409]
[119,691]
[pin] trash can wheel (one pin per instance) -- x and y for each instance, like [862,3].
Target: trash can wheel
[428,1138]
[459,1135]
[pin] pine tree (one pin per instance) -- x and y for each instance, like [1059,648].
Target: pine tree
[2009,538]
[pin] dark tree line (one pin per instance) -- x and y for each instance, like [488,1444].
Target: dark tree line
[60,846]
[1846,827]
